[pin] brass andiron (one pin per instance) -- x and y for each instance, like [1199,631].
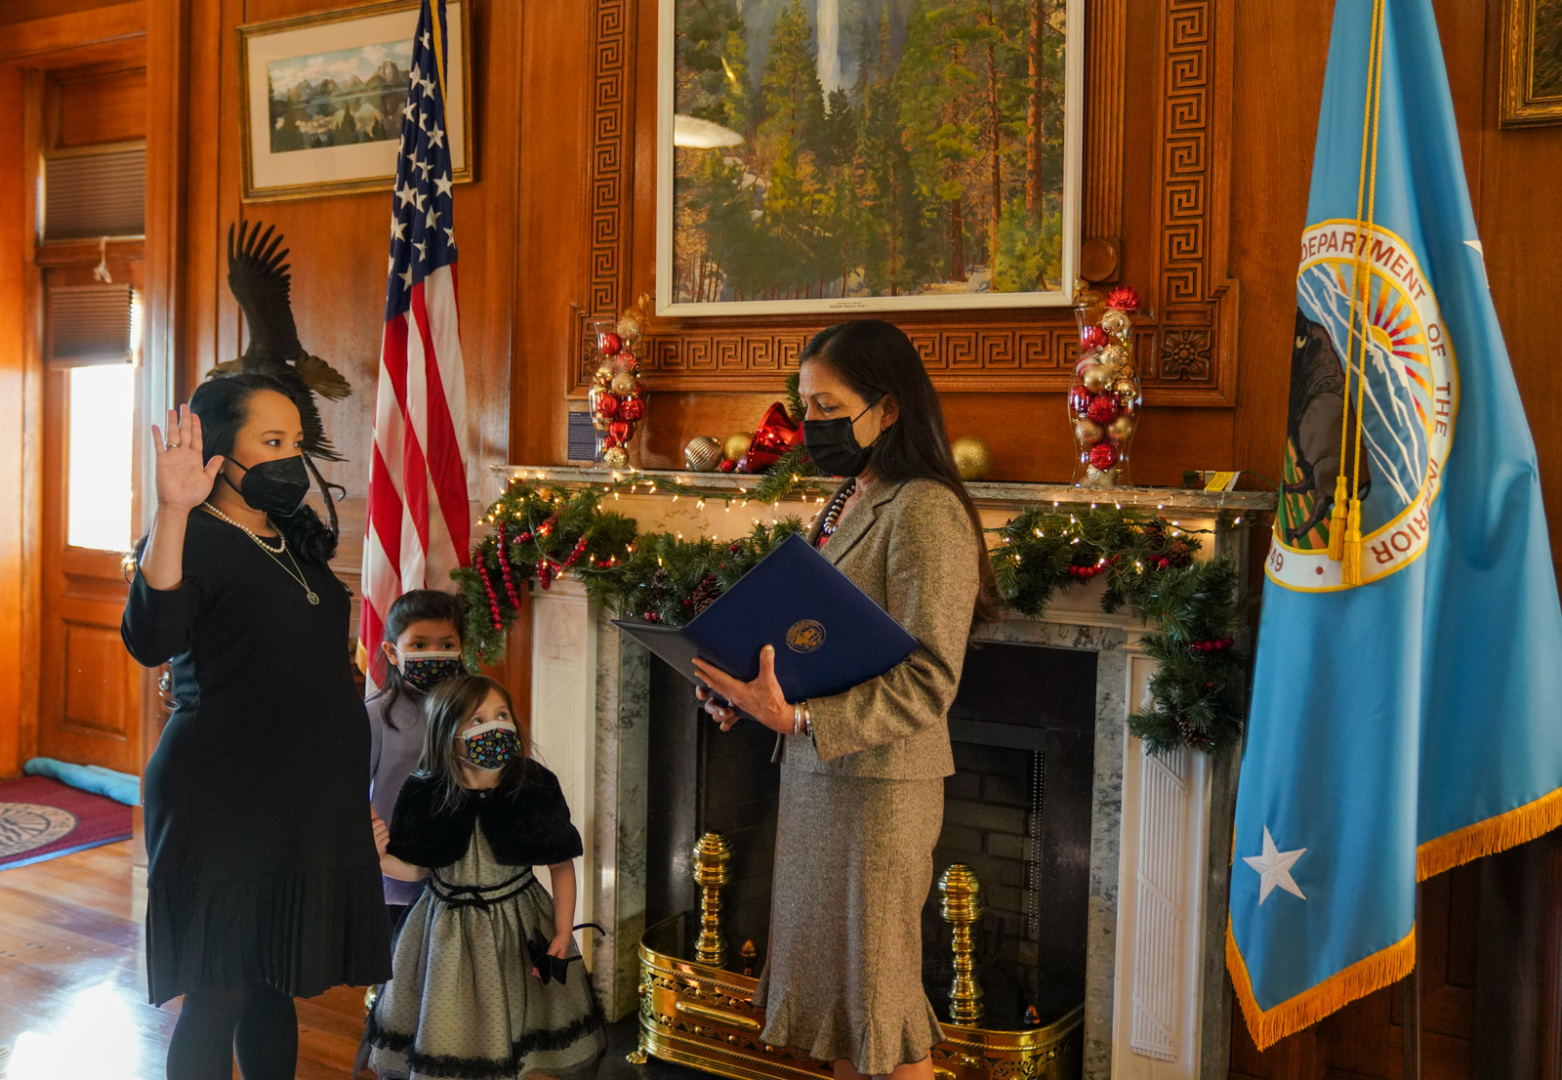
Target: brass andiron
[710,874]
[961,905]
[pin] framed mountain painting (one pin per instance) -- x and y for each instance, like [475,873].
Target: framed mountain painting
[873,155]
[322,99]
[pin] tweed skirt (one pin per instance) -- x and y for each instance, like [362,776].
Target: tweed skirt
[854,862]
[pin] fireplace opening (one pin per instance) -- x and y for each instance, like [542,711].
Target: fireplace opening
[1017,811]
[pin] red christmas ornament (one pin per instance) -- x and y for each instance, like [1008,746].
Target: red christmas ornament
[608,405]
[1123,299]
[727,465]
[1103,410]
[628,362]
[609,343]
[620,430]
[545,574]
[1103,456]
[608,442]
[1078,400]
[651,616]
[1092,337]
[633,409]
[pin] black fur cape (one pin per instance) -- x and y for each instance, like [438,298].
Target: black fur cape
[526,821]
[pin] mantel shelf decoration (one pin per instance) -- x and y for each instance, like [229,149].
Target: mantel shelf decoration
[1199,688]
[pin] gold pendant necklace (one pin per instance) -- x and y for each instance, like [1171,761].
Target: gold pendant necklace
[297,574]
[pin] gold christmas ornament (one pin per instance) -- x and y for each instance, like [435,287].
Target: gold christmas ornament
[1127,395]
[1117,323]
[604,373]
[1096,378]
[1121,429]
[973,457]
[1114,357]
[736,445]
[1087,432]
[615,457]
[623,384]
[702,453]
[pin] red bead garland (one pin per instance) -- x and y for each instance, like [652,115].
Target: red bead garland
[504,569]
[493,597]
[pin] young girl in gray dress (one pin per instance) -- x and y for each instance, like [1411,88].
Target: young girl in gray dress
[484,986]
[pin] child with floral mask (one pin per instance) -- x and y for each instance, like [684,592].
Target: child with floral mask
[473,822]
[421,648]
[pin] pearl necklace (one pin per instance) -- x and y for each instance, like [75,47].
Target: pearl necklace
[832,513]
[295,573]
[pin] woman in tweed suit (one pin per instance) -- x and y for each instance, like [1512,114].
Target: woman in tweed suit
[862,788]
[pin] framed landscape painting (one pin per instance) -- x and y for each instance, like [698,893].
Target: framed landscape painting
[322,99]
[873,155]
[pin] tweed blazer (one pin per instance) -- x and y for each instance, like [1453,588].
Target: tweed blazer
[912,548]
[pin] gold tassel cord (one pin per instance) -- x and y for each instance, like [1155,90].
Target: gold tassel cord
[1341,500]
[1337,514]
[1350,565]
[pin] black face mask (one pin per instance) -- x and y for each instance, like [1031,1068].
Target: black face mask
[832,445]
[273,487]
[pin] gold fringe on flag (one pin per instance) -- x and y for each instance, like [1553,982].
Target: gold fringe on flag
[1365,976]
[1519,825]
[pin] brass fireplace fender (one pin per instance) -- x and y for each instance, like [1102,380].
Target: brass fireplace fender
[704,1017]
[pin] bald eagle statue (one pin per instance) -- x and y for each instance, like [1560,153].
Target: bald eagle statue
[259,279]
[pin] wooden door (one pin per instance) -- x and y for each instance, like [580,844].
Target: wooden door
[89,687]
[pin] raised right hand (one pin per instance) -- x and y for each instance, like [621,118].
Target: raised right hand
[183,482]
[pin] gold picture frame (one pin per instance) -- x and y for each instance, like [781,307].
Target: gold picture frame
[316,135]
[1531,90]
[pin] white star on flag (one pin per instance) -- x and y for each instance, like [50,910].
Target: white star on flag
[1274,868]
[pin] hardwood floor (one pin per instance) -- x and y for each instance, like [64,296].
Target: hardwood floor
[73,985]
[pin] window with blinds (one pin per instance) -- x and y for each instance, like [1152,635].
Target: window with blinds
[90,325]
[101,193]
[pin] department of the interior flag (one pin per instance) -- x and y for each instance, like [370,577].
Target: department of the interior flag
[1409,668]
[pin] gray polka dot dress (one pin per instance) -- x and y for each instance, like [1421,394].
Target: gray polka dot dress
[463,1002]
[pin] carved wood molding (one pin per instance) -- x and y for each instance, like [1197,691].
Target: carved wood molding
[1186,351]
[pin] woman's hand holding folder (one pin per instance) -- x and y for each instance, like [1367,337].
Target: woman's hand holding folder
[725,697]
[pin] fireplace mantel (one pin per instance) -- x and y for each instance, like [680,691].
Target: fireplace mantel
[1160,838]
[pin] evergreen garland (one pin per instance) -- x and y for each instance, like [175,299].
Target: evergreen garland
[1198,691]
[536,532]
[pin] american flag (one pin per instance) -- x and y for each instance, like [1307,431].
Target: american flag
[419,524]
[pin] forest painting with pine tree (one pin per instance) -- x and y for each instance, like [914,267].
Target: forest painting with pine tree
[867,153]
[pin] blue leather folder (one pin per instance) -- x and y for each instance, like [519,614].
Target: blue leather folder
[829,635]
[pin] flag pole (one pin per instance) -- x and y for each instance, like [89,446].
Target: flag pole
[1412,1003]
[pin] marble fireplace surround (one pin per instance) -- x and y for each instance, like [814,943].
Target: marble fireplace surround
[1155,1006]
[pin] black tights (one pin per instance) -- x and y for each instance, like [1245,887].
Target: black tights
[255,1023]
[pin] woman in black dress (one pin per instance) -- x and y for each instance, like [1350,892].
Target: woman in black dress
[264,884]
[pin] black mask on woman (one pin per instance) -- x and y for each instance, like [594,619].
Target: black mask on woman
[832,445]
[273,487]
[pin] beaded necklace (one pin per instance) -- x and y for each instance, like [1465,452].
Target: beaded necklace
[296,573]
[832,513]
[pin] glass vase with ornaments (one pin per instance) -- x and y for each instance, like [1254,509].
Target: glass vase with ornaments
[1104,396]
[617,397]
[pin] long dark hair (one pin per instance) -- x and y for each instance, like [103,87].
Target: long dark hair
[223,405]
[446,710]
[876,358]
[418,605]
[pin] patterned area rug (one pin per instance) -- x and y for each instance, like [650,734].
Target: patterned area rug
[41,818]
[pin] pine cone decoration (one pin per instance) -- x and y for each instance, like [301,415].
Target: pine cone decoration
[705,593]
[1181,554]
[656,591]
[1199,740]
